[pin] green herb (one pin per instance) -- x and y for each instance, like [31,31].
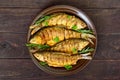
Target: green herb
[31,45]
[40,46]
[45,23]
[68,67]
[74,50]
[56,39]
[43,47]
[74,27]
[86,50]
[47,17]
[42,19]
[39,21]
[43,63]
[85,31]
[69,16]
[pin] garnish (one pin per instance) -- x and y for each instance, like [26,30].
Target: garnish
[68,67]
[46,23]
[39,46]
[74,27]
[74,50]
[42,19]
[85,31]
[88,49]
[43,63]
[69,16]
[56,39]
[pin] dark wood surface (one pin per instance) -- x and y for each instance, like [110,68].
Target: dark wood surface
[15,18]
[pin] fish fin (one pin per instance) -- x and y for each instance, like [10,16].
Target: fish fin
[86,54]
[90,41]
[86,57]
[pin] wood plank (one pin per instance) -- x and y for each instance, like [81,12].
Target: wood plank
[77,3]
[13,70]
[13,46]
[105,20]
[108,47]
[18,20]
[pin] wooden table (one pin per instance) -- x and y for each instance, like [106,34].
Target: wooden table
[15,18]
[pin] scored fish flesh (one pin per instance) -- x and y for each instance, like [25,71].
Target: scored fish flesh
[58,59]
[50,34]
[71,46]
[66,20]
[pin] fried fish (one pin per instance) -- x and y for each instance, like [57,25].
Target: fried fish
[58,59]
[66,20]
[53,35]
[71,46]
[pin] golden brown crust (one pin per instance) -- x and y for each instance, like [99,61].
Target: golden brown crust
[59,27]
[57,59]
[68,21]
[47,35]
[68,46]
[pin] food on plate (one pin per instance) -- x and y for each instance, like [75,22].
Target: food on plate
[61,40]
[53,35]
[63,19]
[70,46]
[59,59]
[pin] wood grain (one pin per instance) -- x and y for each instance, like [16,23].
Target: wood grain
[43,3]
[17,69]
[18,20]
[12,45]
[108,47]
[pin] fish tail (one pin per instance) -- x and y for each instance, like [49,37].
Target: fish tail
[86,56]
[88,37]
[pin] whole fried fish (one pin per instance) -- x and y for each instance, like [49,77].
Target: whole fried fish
[66,20]
[71,46]
[58,59]
[53,35]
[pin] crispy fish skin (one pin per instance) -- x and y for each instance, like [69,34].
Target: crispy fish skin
[65,20]
[58,59]
[47,35]
[69,45]
[68,21]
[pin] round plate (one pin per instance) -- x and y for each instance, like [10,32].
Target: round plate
[70,10]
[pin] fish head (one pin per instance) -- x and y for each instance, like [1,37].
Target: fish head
[39,56]
[36,40]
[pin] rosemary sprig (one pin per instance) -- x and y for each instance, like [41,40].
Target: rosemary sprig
[86,50]
[42,19]
[39,46]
